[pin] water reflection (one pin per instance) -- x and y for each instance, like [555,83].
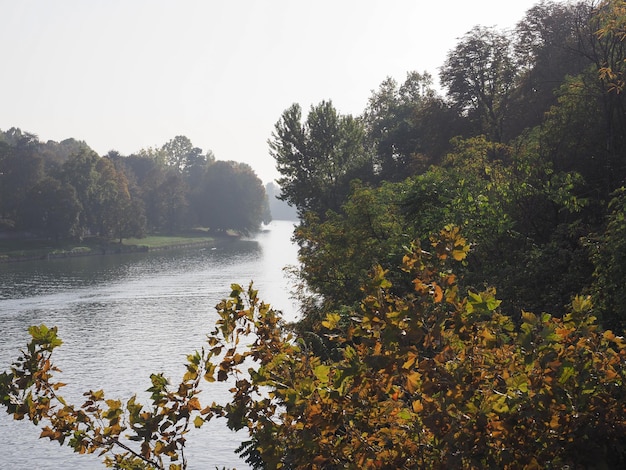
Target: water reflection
[124,316]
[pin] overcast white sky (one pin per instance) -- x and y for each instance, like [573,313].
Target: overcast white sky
[130,74]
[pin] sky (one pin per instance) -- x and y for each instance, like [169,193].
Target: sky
[130,74]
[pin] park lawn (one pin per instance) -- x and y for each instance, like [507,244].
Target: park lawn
[24,249]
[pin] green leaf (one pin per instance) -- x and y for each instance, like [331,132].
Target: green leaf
[321,372]
[566,372]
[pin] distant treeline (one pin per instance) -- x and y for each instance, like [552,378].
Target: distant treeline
[65,190]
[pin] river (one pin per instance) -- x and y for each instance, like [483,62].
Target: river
[123,317]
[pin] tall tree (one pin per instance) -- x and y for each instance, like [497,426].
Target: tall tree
[80,171]
[21,168]
[233,197]
[117,215]
[479,75]
[53,209]
[408,126]
[546,45]
[180,153]
[168,202]
[318,158]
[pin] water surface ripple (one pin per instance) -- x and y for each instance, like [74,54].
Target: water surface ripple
[122,317]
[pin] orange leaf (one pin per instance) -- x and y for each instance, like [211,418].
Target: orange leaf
[438,293]
[194,404]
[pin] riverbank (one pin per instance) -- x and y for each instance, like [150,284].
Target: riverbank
[16,250]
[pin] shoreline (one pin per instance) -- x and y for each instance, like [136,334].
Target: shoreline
[51,253]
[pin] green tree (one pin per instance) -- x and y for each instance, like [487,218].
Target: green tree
[318,158]
[21,169]
[232,197]
[408,125]
[53,209]
[337,253]
[80,171]
[523,217]
[609,258]
[168,201]
[546,44]
[479,75]
[180,153]
[112,200]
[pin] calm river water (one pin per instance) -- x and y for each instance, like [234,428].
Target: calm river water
[122,317]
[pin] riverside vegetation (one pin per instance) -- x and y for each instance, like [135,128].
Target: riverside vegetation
[435,235]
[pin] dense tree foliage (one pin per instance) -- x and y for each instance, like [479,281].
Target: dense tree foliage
[407,125]
[430,228]
[318,158]
[66,190]
[479,75]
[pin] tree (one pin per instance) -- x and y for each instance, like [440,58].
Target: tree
[608,250]
[609,54]
[167,202]
[317,159]
[112,203]
[232,197]
[406,126]
[546,44]
[524,219]
[53,209]
[21,168]
[332,251]
[479,75]
[80,171]
[180,153]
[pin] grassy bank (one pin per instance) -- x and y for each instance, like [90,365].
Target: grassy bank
[25,249]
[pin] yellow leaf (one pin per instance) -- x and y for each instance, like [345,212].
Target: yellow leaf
[417,406]
[460,253]
[412,382]
[420,286]
[198,422]
[410,361]
[488,335]
[332,320]
[529,317]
